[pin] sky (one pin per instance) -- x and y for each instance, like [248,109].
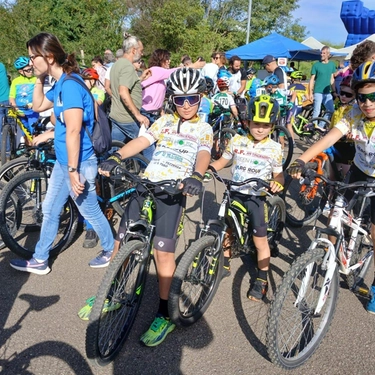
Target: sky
[322,19]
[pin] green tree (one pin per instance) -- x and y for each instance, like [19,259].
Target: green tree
[88,25]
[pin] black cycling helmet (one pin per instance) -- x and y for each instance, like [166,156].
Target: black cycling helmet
[186,81]
[209,84]
[251,71]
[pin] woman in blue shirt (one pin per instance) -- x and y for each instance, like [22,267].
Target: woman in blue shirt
[76,166]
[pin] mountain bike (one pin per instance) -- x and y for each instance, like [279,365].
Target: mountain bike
[305,301]
[198,273]
[21,202]
[121,290]
[9,128]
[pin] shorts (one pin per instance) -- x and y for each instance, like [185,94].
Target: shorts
[167,217]
[257,211]
[355,174]
[344,152]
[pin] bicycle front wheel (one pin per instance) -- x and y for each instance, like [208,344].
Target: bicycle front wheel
[117,303]
[294,331]
[303,203]
[20,224]
[8,144]
[282,135]
[12,168]
[195,281]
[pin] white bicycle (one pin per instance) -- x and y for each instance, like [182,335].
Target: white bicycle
[305,301]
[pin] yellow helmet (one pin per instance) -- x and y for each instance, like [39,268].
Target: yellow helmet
[263,108]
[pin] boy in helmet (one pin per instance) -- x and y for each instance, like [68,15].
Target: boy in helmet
[183,151]
[21,92]
[91,76]
[255,155]
[358,124]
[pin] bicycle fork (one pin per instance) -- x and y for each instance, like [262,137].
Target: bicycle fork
[329,265]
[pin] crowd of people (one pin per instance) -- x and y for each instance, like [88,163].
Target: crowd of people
[178,144]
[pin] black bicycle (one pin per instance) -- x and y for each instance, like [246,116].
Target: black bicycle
[121,290]
[198,273]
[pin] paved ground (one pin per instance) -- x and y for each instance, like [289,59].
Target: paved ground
[40,332]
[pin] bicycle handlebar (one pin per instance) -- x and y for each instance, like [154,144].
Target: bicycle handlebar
[229,183]
[169,186]
[9,106]
[310,176]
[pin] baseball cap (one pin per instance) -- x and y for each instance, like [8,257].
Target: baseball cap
[268,59]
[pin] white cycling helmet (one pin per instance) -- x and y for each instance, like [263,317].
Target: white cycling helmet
[186,81]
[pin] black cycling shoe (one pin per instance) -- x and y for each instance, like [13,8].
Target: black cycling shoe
[258,290]
[91,239]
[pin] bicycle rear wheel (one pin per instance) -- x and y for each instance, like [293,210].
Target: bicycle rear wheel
[195,281]
[20,225]
[276,223]
[12,168]
[121,190]
[220,142]
[282,135]
[294,332]
[117,303]
[8,144]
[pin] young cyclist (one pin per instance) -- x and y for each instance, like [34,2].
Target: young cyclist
[358,124]
[21,92]
[255,155]
[91,76]
[183,150]
[224,98]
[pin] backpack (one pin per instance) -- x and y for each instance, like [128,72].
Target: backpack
[101,137]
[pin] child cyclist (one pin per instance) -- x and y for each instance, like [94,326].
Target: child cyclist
[183,150]
[358,124]
[255,155]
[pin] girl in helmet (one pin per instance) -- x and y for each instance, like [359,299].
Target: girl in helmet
[21,92]
[183,150]
[255,155]
[359,125]
[91,76]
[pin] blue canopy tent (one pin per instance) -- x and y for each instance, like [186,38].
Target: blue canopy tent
[278,46]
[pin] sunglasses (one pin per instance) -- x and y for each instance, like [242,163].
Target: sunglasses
[192,100]
[346,94]
[363,97]
[216,57]
[28,70]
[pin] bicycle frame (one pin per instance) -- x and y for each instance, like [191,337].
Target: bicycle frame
[12,113]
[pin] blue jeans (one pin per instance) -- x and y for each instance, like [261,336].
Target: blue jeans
[2,115]
[87,203]
[326,99]
[125,132]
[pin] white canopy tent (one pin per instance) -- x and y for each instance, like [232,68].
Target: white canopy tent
[315,44]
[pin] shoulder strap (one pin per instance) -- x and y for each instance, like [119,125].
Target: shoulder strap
[72,78]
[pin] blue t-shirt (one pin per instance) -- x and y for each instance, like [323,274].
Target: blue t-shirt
[67,95]
[4,84]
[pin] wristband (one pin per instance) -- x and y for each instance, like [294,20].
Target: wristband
[278,184]
[116,157]
[197,176]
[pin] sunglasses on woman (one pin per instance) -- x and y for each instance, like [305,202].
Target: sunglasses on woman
[363,97]
[346,94]
[192,100]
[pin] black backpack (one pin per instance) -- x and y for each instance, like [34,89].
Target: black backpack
[101,136]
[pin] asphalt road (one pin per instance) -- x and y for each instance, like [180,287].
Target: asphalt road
[40,332]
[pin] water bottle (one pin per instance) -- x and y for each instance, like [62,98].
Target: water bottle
[336,215]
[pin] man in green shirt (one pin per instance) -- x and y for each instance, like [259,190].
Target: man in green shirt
[322,83]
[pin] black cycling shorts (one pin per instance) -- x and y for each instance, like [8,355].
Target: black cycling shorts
[257,211]
[167,217]
[355,174]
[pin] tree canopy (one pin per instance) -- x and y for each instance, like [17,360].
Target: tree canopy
[197,27]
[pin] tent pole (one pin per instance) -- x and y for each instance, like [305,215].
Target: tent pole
[248,22]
